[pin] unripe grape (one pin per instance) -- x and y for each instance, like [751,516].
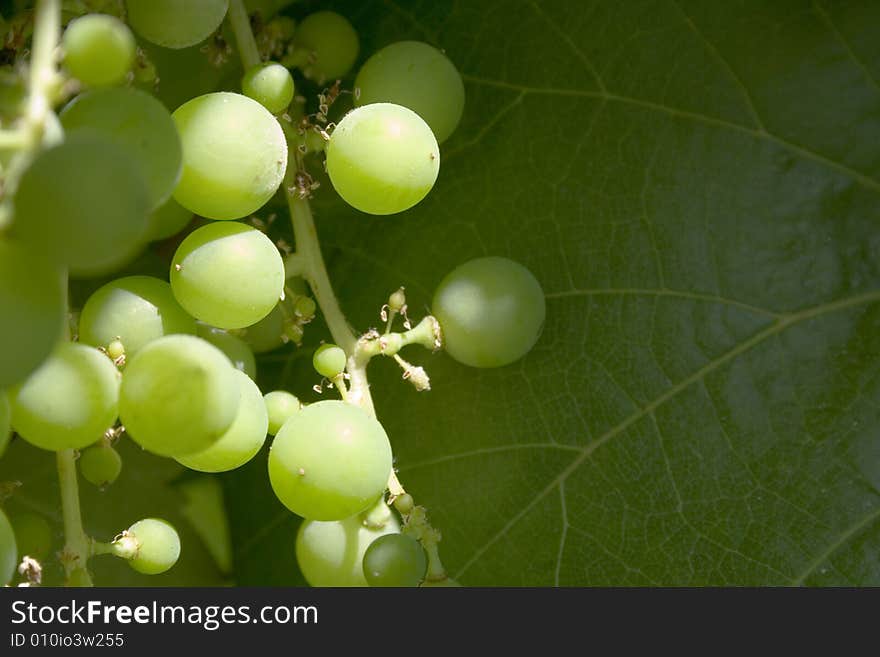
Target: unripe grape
[100,465]
[326,46]
[329,360]
[270,84]
[8,550]
[98,49]
[156,543]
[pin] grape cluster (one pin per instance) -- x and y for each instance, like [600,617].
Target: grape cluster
[170,363]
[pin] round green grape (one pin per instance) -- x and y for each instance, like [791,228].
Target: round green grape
[179,395]
[266,334]
[332,553]
[234,155]
[329,461]
[227,274]
[395,560]
[242,440]
[176,23]
[329,360]
[236,349]
[158,546]
[138,122]
[100,465]
[8,550]
[33,535]
[280,406]
[417,76]
[84,203]
[326,46]
[134,309]
[98,49]
[33,308]
[270,84]
[491,311]
[382,158]
[69,401]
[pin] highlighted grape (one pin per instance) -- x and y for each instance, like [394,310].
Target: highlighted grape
[228,275]
[234,155]
[69,401]
[98,49]
[157,546]
[329,461]
[135,310]
[382,158]
[270,84]
[179,395]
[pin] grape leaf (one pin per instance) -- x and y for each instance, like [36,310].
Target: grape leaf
[696,186]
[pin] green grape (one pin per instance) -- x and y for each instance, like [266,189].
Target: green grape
[234,155]
[326,46]
[5,421]
[228,275]
[280,406]
[179,395]
[329,461]
[98,49]
[382,158]
[266,334]
[491,311]
[417,76]
[69,401]
[100,465]
[329,360]
[176,23]
[33,535]
[168,220]
[395,560]
[270,84]
[447,582]
[332,553]
[138,122]
[84,203]
[134,309]
[236,349]
[8,550]
[242,440]
[158,546]
[32,292]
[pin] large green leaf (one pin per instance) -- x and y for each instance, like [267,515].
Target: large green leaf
[696,186]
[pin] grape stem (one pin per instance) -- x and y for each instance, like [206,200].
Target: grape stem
[77,545]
